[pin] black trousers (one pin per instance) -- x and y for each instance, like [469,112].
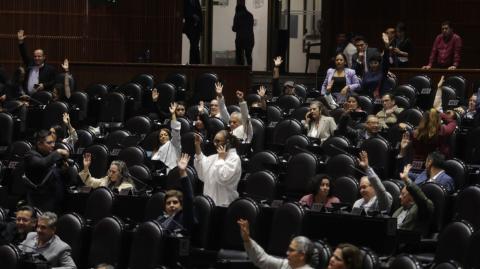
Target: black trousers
[194,38]
[242,52]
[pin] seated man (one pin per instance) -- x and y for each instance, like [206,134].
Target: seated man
[288,86]
[45,242]
[16,231]
[390,111]
[434,173]
[179,206]
[300,253]
[416,209]
[357,136]
[374,195]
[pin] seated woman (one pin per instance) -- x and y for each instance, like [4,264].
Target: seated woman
[117,178]
[168,146]
[320,192]
[179,204]
[318,123]
[345,256]
[339,82]
[69,136]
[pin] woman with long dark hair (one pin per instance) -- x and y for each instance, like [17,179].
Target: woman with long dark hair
[320,192]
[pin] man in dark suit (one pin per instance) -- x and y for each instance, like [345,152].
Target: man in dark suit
[192,27]
[16,231]
[434,173]
[40,75]
[416,209]
[364,53]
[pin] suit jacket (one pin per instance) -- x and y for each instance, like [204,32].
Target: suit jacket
[56,252]
[325,129]
[358,66]
[419,215]
[443,179]
[350,77]
[46,74]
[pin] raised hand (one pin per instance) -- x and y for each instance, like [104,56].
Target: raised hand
[173,107]
[222,152]
[244,229]
[201,107]
[182,164]
[363,160]
[385,39]
[307,116]
[21,35]
[261,91]
[155,94]
[239,96]
[404,174]
[66,118]
[87,160]
[218,88]
[277,61]
[65,65]
[440,83]
[405,141]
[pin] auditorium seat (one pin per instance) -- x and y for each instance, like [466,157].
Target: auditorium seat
[264,160]
[203,229]
[274,113]
[300,112]
[79,107]
[261,185]
[467,205]
[346,189]
[341,165]
[288,102]
[72,230]
[369,258]
[99,204]
[295,143]
[412,116]
[180,82]
[155,206]
[100,162]
[106,242]
[147,246]
[324,253]
[112,109]
[132,156]
[205,87]
[144,80]
[459,84]
[405,261]
[258,139]
[407,91]
[438,195]
[9,256]
[379,153]
[286,224]
[426,93]
[284,129]
[300,170]
[53,114]
[133,98]
[139,125]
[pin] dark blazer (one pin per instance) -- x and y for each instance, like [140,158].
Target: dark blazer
[243,26]
[9,233]
[443,179]
[419,215]
[359,67]
[192,12]
[46,74]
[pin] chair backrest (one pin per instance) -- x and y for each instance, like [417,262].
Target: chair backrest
[300,169]
[233,108]
[333,142]
[341,165]
[79,103]
[147,246]
[99,204]
[453,242]
[167,94]
[346,188]
[142,173]
[99,153]
[185,125]
[114,140]
[215,125]
[263,160]
[202,230]
[258,139]
[97,91]
[112,108]
[467,204]
[295,143]
[43,97]
[144,80]
[274,113]
[402,101]
[172,181]
[366,103]
[155,206]
[394,188]
[106,242]
[134,96]
[369,258]
[473,146]
[411,115]
[6,133]
[179,80]
[9,256]
[285,129]
[300,112]
[187,141]
[71,229]
[301,91]
[405,261]
[426,93]
[451,264]
[132,156]
[438,195]
[205,87]
[141,125]
[241,208]
[85,139]
[253,98]
[287,102]
[458,83]
[261,185]
[408,91]
[379,153]
[457,170]
[449,98]
[473,259]
[324,253]
[286,223]
[53,114]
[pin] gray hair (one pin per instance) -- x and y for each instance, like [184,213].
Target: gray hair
[238,115]
[104,266]
[122,169]
[50,217]
[305,246]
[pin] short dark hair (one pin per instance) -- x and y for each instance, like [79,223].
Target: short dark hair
[173,193]
[28,208]
[359,38]
[437,158]
[375,57]
[401,27]
[41,135]
[448,23]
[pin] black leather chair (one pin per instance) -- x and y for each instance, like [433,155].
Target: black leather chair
[341,165]
[172,181]
[274,113]
[261,185]
[369,258]
[6,133]
[215,125]
[402,101]
[9,256]
[186,125]
[459,84]
[300,169]
[146,250]
[132,156]
[450,100]
[473,259]
[71,229]
[205,87]
[447,265]
[285,129]
[411,115]
[346,189]
[288,102]
[133,94]
[426,92]
[97,91]
[203,229]
[53,114]
[405,261]
[106,242]
[408,91]
[139,125]
[366,103]
[99,204]
[295,143]
[301,91]
[99,153]
[253,98]
[142,173]
[264,160]
[286,223]
[324,253]
[241,208]
[85,139]
[79,106]
[112,109]
[439,197]
[457,169]
[473,146]
[258,139]
[44,97]
[467,204]
[333,142]
[379,153]
[181,84]
[144,80]
[155,206]
[115,141]
[300,112]
[394,188]
[233,108]
[167,94]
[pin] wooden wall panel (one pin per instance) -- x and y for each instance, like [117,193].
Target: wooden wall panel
[84,31]
[423,19]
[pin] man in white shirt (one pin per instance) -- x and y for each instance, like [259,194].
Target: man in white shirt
[219,172]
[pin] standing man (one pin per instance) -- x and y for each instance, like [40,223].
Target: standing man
[245,40]
[192,27]
[446,50]
[361,58]
[40,75]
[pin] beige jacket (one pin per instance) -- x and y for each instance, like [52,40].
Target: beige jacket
[102,182]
